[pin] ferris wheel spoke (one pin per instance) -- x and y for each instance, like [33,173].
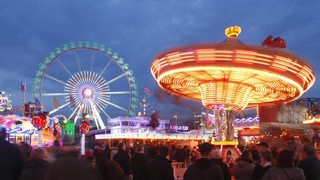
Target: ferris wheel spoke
[55,94]
[74,111]
[55,79]
[112,104]
[105,67]
[105,113]
[116,78]
[64,67]
[58,108]
[102,109]
[92,61]
[115,92]
[77,60]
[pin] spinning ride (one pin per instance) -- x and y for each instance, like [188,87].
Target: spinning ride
[231,75]
[86,81]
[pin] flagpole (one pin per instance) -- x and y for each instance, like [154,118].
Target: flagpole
[23,89]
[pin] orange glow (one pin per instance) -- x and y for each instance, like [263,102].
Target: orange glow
[233,74]
[225,143]
[151,136]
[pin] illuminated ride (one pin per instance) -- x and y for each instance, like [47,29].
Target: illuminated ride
[5,102]
[86,81]
[231,75]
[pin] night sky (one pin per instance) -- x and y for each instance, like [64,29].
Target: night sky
[139,30]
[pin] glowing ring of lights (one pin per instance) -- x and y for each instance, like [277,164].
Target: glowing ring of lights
[73,70]
[232,74]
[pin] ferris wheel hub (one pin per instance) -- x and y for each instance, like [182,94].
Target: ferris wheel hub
[87,93]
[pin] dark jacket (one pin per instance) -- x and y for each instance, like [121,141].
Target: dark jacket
[244,169]
[123,158]
[259,171]
[139,164]
[276,173]
[311,168]
[224,168]
[203,169]
[11,161]
[35,169]
[160,169]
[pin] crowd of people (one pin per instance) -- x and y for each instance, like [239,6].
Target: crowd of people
[153,162]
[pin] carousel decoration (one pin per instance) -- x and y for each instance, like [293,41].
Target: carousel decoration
[5,102]
[39,122]
[231,75]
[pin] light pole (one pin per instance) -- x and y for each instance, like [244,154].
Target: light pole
[175,116]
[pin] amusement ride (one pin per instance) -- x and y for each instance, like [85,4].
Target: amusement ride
[87,81]
[232,75]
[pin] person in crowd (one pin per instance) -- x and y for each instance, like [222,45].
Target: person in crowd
[108,170]
[25,150]
[106,151]
[244,166]
[217,160]
[262,147]
[113,149]
[69,167]
[160,168]
[261,168]
[11,160]
[284,168]
[173,153]
[180,154]
[255,154]
[36,167]
[139,164]
[309,163]
[122,157]
[195,155]
[204,168]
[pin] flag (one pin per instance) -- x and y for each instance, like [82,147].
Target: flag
[37,104]
[55,103]
[147,90]
[23,86]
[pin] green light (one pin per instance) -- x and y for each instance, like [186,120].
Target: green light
[88,44]
[102,48]
[58,50]
[109,51]
[65,47]
[52,55]
[72,45]
[80,44]
[115,56]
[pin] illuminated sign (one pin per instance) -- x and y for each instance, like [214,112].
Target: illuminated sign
[179,128]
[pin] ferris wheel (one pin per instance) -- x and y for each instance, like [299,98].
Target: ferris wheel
[86,81]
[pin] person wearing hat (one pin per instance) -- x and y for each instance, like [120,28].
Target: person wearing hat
[204,168]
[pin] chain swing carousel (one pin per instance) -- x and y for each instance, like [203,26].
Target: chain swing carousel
[229,76]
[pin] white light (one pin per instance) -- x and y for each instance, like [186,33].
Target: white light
[87,92]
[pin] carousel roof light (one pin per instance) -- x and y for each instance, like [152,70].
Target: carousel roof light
[232,73]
